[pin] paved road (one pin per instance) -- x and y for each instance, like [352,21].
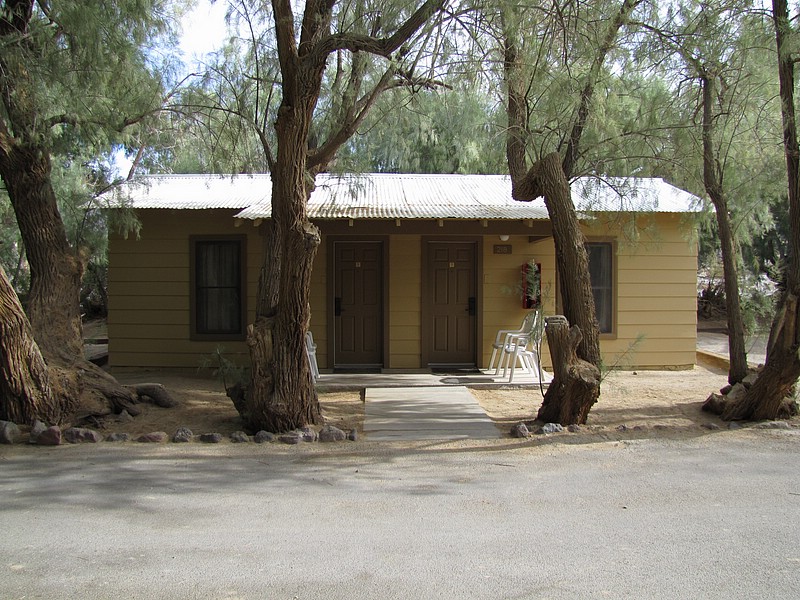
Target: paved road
[712,516]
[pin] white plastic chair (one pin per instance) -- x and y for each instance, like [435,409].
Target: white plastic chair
[524,349]
[311,352]
[505,337]
[518,351]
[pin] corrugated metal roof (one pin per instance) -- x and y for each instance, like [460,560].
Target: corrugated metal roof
[194,192]
[631,194]
[404,196]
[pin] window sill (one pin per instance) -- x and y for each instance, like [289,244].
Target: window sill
[217,337]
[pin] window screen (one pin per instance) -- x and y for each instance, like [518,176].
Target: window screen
[601,273]
[218,287]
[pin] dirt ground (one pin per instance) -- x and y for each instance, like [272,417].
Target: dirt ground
[662,402]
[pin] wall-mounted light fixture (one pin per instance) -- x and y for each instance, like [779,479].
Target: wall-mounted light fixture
[504,238]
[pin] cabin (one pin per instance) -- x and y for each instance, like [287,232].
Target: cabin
[414,272]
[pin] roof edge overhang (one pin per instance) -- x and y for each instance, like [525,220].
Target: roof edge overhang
[406,197]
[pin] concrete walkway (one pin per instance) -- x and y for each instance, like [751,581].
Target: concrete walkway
[426,406]
[425,413]
[333,382]
[716,344]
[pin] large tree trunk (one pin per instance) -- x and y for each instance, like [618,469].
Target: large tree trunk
[567,402]
[572,393]
[53,304]
[54,299]
[576,291]
[576,383]
[767,397]
[770,397]
[281,394]
[547,178]
[737,352]
[25,391]
[712,180]
[79,387]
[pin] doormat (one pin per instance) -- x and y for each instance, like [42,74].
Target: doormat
[456,371]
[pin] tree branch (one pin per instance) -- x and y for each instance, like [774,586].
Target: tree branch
[16,17]
[5,138]
[516,110]
[284,36]
[582,116]
[325,153]
[380,46]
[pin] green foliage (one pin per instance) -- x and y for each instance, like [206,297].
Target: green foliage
[758,298]
[85,78]
[621,360]
[532,290]
[225,370]
[93,69]
[560,65]
[12,251]
[433,114]
[732,47]
[432,131]
[766,253]
[228,113]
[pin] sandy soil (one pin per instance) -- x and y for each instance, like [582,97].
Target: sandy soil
[647,402]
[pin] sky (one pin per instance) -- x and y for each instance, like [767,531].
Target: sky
[203,30]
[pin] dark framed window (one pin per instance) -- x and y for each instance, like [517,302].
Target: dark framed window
[218,287]
[601,272]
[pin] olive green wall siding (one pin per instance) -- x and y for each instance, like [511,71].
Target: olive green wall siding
[655,306]
[148,288]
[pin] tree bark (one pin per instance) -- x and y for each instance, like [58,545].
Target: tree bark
[155,393]
[54,298]
[25,390]
[767,397]
[576,383]
[770,397]
[547,178]
[53,303]
[281,394]
[712,180]
[575,388]
[577,298]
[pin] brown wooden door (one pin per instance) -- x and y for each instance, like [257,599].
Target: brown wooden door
[358,305]
[451,312]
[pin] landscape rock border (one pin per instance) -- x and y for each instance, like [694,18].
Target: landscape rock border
[527,429]
[42,435]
